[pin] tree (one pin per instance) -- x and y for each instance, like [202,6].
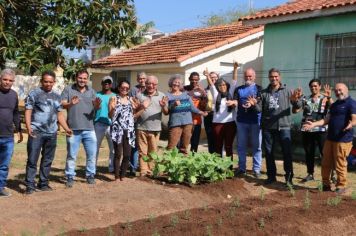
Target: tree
[225,17]
[32,31]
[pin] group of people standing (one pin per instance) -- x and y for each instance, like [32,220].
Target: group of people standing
[130,118]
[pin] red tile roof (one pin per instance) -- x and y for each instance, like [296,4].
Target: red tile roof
[298,6]
[179,46]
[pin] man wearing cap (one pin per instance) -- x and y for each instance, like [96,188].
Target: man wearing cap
[102,121]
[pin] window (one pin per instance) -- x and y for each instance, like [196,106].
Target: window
[335,59]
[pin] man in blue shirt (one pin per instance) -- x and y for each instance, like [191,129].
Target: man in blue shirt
[43,110]
[248,123]
[338,144]
[102,121]
[10,118]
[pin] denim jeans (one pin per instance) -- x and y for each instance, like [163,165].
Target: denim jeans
[44,144]
[88,138]
[134,158]
[103,130]
[269,140]
[194,140]
[6,150]
[208,125]
[249,133]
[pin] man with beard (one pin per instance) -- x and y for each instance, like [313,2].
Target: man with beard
[338,144]
[248,123]
[102,121]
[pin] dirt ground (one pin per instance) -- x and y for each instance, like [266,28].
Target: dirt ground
[142,206]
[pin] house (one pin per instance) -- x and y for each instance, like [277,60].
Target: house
[184,52]
[309,39]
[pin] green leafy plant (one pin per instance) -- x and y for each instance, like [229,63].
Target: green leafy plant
[110,231]
[334,201]
[187,215]
[155,233]
[291,189]
[192,169]
[236,202]
[320,186]
[127,225]
[261,223]
[307,201]
[151,218]
[262,193]
[269,214]
[231,212]
[209,228]
[219,221]
[174,220]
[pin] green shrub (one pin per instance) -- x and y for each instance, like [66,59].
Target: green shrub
[193,169]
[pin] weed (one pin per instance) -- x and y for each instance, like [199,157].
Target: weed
[206,207]
[155,233]
[26,233]
[320,186]
[231,212]
[262,193]
[82,229]
[42,232]
[291,189]
[261,223]
[128,225]
[208,230]
[174,220]
[219,221]
[62,231]
[307,201]
[236,202]
[269,213]
[333,201]
[110,231]
[187,215]
[151,218]
[353,195]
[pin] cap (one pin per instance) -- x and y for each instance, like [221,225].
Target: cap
[105,78]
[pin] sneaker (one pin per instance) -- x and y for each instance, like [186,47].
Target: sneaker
[45,188]
[340,190]
[326,188]
[4,193]
[257,175]
[91,179]
[308,178]
[70,182]
[269,181]
[30,190]
[240,173]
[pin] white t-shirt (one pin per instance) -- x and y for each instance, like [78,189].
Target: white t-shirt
[223,116]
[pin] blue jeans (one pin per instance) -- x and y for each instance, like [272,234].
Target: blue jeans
[194,140]
[269,140]
[134,158]
[44,144]
[6,150]
[249,133]
[88,138]
[103,130]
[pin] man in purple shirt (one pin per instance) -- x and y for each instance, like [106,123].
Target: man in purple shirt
[10,117]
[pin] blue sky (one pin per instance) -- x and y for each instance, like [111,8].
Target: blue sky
[174,15]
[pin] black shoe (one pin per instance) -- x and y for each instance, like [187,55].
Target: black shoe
[4,193]
[269,181]
[70,182]
[326,188]
[91,179]
[308,178]
[240,173]
[30,190]
[44,188]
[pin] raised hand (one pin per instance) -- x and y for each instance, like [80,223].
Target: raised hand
[164,101]
[135,102]
[296,94]
[236,64]
[112,103]
[74,100]
[97,103]
[206,72]
[327,90]
[146,103]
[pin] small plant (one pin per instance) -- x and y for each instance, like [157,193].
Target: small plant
[206,207]
[269,213]
[236,202]
[174,220]
[261,223]
[187,215]
[291,189]
[219,221]
[83,229]
[231,212]
[307,201]
[26,233]
[62,231]
[353,195]
[320,186]
[155,233]
[110,231]
[208,230]
[127,225]
[262,193]
[333,201]
[151,218]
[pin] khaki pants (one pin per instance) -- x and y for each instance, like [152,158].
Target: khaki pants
[334,155]
[147,143]
[175,134]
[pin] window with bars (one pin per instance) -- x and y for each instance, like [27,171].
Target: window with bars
[335,59]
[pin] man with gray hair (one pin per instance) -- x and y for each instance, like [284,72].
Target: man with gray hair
[153,103]
[10,117]
[102,121]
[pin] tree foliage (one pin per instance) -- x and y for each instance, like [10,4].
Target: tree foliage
[32,31]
